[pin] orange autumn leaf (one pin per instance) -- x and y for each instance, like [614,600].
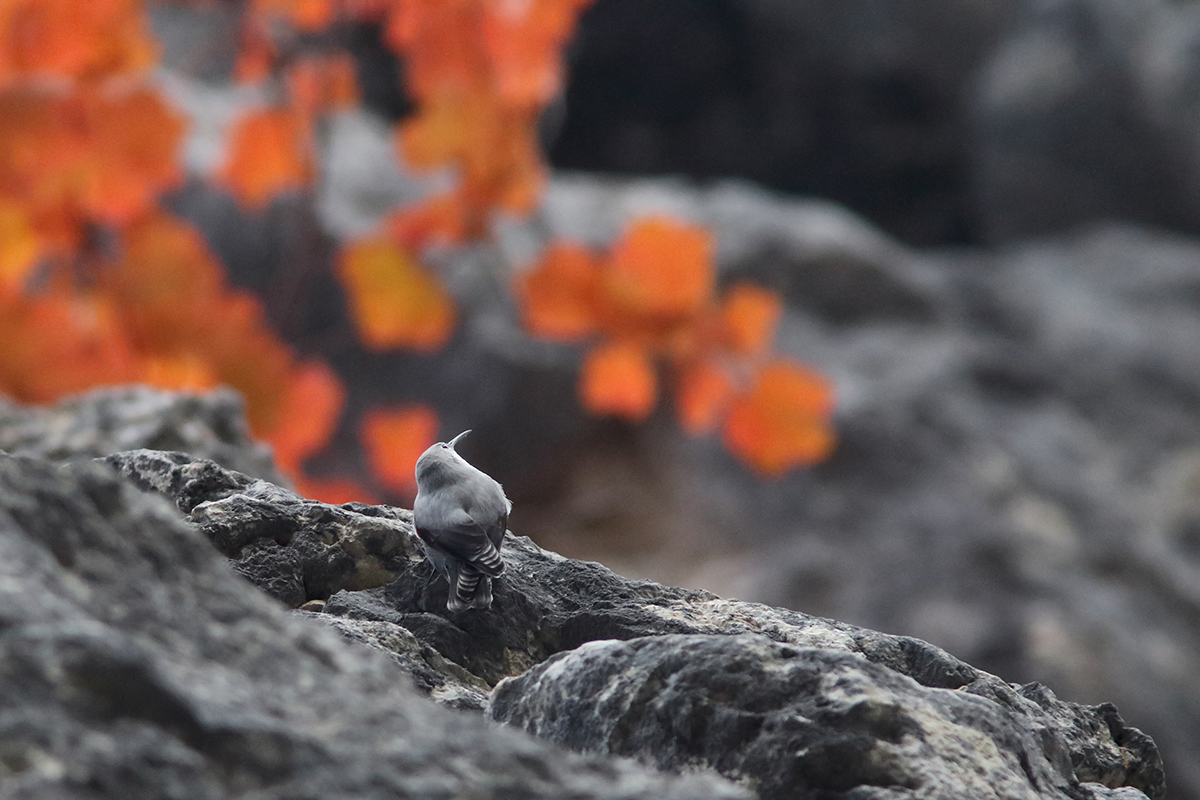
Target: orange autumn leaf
[394,439]
[393,300]
[661,269]
[334,491]
[524,43]
[440,42]
[19,248]
[320,83]
[190,327]
[307,16]
[134,141]
[61,342]
[187,371]
[783,422]
[438,133]
[439,219]
[749,317]
[617,379]
[557,297]
[167,284]
[702,395]
[268,155]
[45,38]
[309,409]
[256,53]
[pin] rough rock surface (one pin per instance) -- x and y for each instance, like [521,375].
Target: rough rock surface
[135,664]
[546,604]
[1016,478]
[794,722]
[111,420]
[294,549]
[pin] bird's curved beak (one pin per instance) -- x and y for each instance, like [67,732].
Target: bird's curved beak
[454,441]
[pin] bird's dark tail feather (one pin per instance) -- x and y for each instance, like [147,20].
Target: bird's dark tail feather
[489,562]
[471,590]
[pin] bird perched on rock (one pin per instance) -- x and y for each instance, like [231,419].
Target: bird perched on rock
[460,514]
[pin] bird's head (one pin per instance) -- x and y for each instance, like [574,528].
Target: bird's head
[439,463]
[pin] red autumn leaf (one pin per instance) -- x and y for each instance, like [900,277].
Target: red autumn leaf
[557,297]
[702,396]
[783,422]
[309,409]
[661,269]
[268,155]
[617,379]
[749,317]
[393,300]
[394,439]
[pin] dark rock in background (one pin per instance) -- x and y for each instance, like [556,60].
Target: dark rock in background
[1087,111]
[110,420]
[1018,468]
[135,664]
[861,101]
[944,122]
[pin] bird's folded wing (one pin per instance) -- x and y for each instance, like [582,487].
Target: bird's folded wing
[463,538]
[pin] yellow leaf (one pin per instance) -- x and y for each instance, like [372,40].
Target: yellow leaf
[394,302]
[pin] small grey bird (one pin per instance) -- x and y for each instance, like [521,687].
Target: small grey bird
[460,514]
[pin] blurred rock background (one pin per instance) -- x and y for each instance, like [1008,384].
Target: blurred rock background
[981,215]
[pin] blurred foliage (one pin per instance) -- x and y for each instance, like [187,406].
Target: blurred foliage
[99,285]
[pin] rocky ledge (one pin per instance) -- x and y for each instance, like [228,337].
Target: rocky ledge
[135,663]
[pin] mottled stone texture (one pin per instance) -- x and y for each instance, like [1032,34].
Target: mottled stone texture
[789,704]
[135,664]
[294,549]
[798,722]
[113,419]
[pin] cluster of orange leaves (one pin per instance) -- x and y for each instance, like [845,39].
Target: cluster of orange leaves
[480,71]
[652,299]
[97,284]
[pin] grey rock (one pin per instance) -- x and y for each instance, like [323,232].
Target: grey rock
[135,664]
[545,605]
[1087,111]
[1018,460]
[294,549]
[789,722]
[444,681]
[109,420]
[860,101]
